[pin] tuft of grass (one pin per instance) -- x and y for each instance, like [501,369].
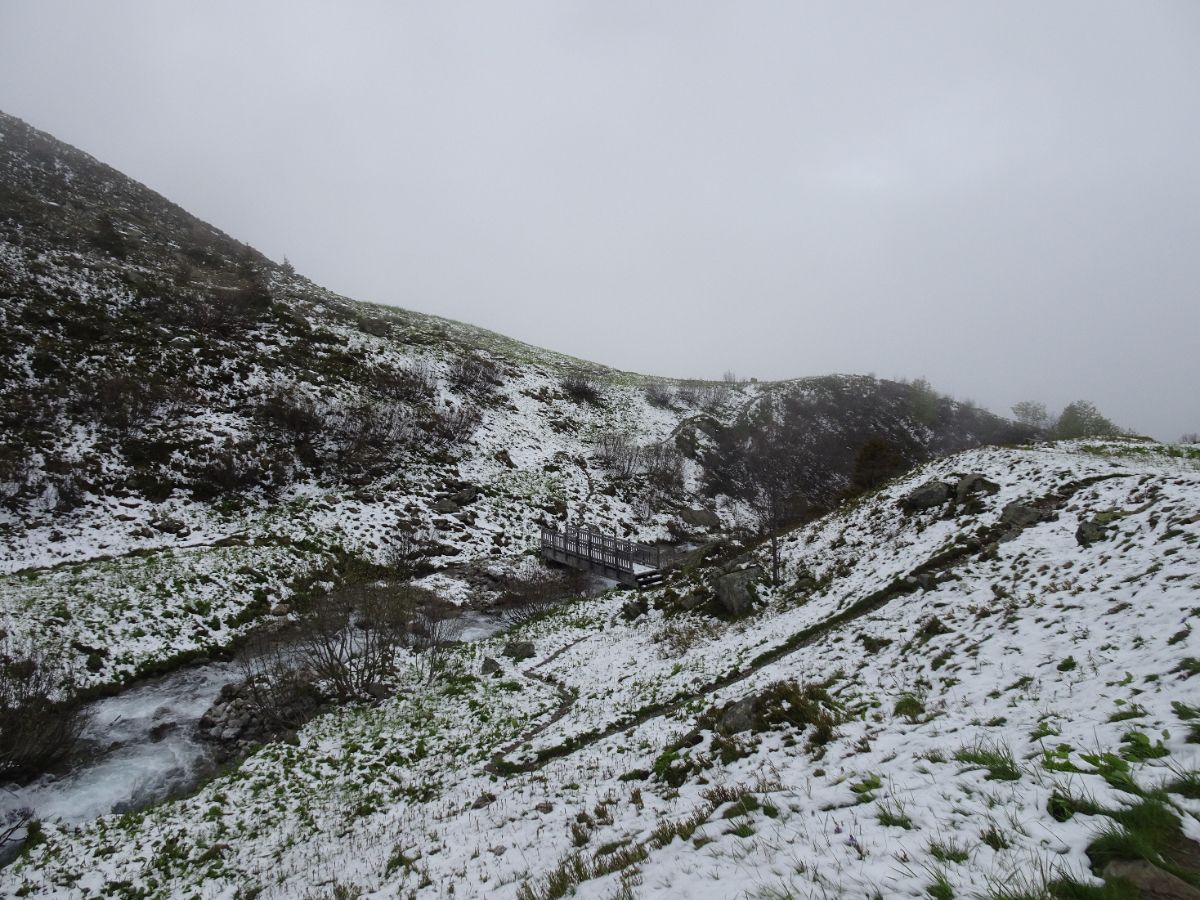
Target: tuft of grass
[993,756]
[995,838]
[949,850]
[940,888]
[1133,711]
[891,813]
[1186,784]
[909,707]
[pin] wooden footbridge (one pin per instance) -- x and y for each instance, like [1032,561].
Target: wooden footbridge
[633,564]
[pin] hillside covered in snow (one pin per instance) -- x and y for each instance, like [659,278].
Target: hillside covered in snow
[192,436]
[982,689]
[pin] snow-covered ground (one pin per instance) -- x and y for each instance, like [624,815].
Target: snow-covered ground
[982,724]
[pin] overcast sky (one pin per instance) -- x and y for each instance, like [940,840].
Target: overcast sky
[1003,197]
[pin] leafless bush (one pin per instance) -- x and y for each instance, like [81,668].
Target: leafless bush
[292,412]
[457,424]
[713,394]
[278,689]
[17,473]
[413,384]
[525,599]
[617,452]
[36,726]
[663,465]
[351,640]
[730,377]
[581,389]
[659,393]
[1192,437]
[12,823]
[474,375]
[436,624]
[372,431]
[230,468]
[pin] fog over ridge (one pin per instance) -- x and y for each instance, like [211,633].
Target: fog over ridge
[1004,198]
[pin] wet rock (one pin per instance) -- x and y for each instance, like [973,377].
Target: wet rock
[735,591]
[1150,882]
[928,496]
[161,730]
[489,667]
[1090,532]
[518,650]
[700,518]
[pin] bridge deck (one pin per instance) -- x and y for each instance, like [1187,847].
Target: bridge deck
[628,562]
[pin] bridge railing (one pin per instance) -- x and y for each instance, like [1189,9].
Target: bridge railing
[598,547]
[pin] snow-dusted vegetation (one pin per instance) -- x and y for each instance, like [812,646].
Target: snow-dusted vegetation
[971,698]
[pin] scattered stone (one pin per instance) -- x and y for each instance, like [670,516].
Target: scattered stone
[1022,515]
[1090,532]
[518,650]
[700,518]
[485,799]
[735,591]
[466,496]
[489,667]
[928,496]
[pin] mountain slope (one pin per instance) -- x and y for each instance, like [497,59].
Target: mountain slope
[960,700]
[192,436]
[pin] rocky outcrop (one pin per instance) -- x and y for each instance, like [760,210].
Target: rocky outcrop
[972,484]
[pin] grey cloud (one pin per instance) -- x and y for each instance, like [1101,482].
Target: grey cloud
[1004,197]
